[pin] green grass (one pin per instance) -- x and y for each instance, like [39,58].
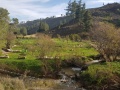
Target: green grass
[21,65]
[75,48]
[64,49]
[26,41]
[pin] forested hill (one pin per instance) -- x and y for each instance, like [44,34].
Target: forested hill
[109,12]
[33,26]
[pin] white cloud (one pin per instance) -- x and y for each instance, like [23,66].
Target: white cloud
[98,3]
[102,1]
[26,10]
[35,9]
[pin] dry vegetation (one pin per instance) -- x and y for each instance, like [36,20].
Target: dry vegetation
[8,83]
[11,84]
[107,39]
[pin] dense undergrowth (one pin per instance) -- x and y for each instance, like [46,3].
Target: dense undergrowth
[102,76]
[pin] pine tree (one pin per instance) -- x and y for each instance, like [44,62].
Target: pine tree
[23,31]
[71,9]
[87,21]
[79,15]
[68,9]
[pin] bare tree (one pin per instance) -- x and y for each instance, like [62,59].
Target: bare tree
[107,39]
[44,44]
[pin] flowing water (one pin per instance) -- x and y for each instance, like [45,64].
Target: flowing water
[68,81]
[67,75]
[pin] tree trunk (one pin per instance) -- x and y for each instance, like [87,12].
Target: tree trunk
[106,57]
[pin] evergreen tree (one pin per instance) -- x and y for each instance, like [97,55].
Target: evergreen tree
[68,9]
[23,31]
[76,10]
[87,21]
[79,15]
[71,9]
[14,24]
[15,21]
[43,27]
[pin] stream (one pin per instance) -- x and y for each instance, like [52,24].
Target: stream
[68,83]
[69,76]
[68,79]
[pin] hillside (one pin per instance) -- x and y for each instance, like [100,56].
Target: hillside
[32,26]
[109,10]
[109,13]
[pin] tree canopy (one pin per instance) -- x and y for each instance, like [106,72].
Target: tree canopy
[79,14]
[4,24]
[23,31]
[43,27]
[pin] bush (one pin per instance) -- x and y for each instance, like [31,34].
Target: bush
[73,61]
[99,75]
[75,37]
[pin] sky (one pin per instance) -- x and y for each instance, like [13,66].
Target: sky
[26,10]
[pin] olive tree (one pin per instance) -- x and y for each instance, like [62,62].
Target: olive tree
[107,39]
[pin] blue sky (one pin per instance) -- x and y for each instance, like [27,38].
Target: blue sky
[34,9]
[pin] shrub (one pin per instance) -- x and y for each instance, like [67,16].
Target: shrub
[99,75]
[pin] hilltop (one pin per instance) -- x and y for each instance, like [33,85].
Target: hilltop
[109,13]
[109,10]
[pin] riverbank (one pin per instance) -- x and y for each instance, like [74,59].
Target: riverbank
[102,76]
